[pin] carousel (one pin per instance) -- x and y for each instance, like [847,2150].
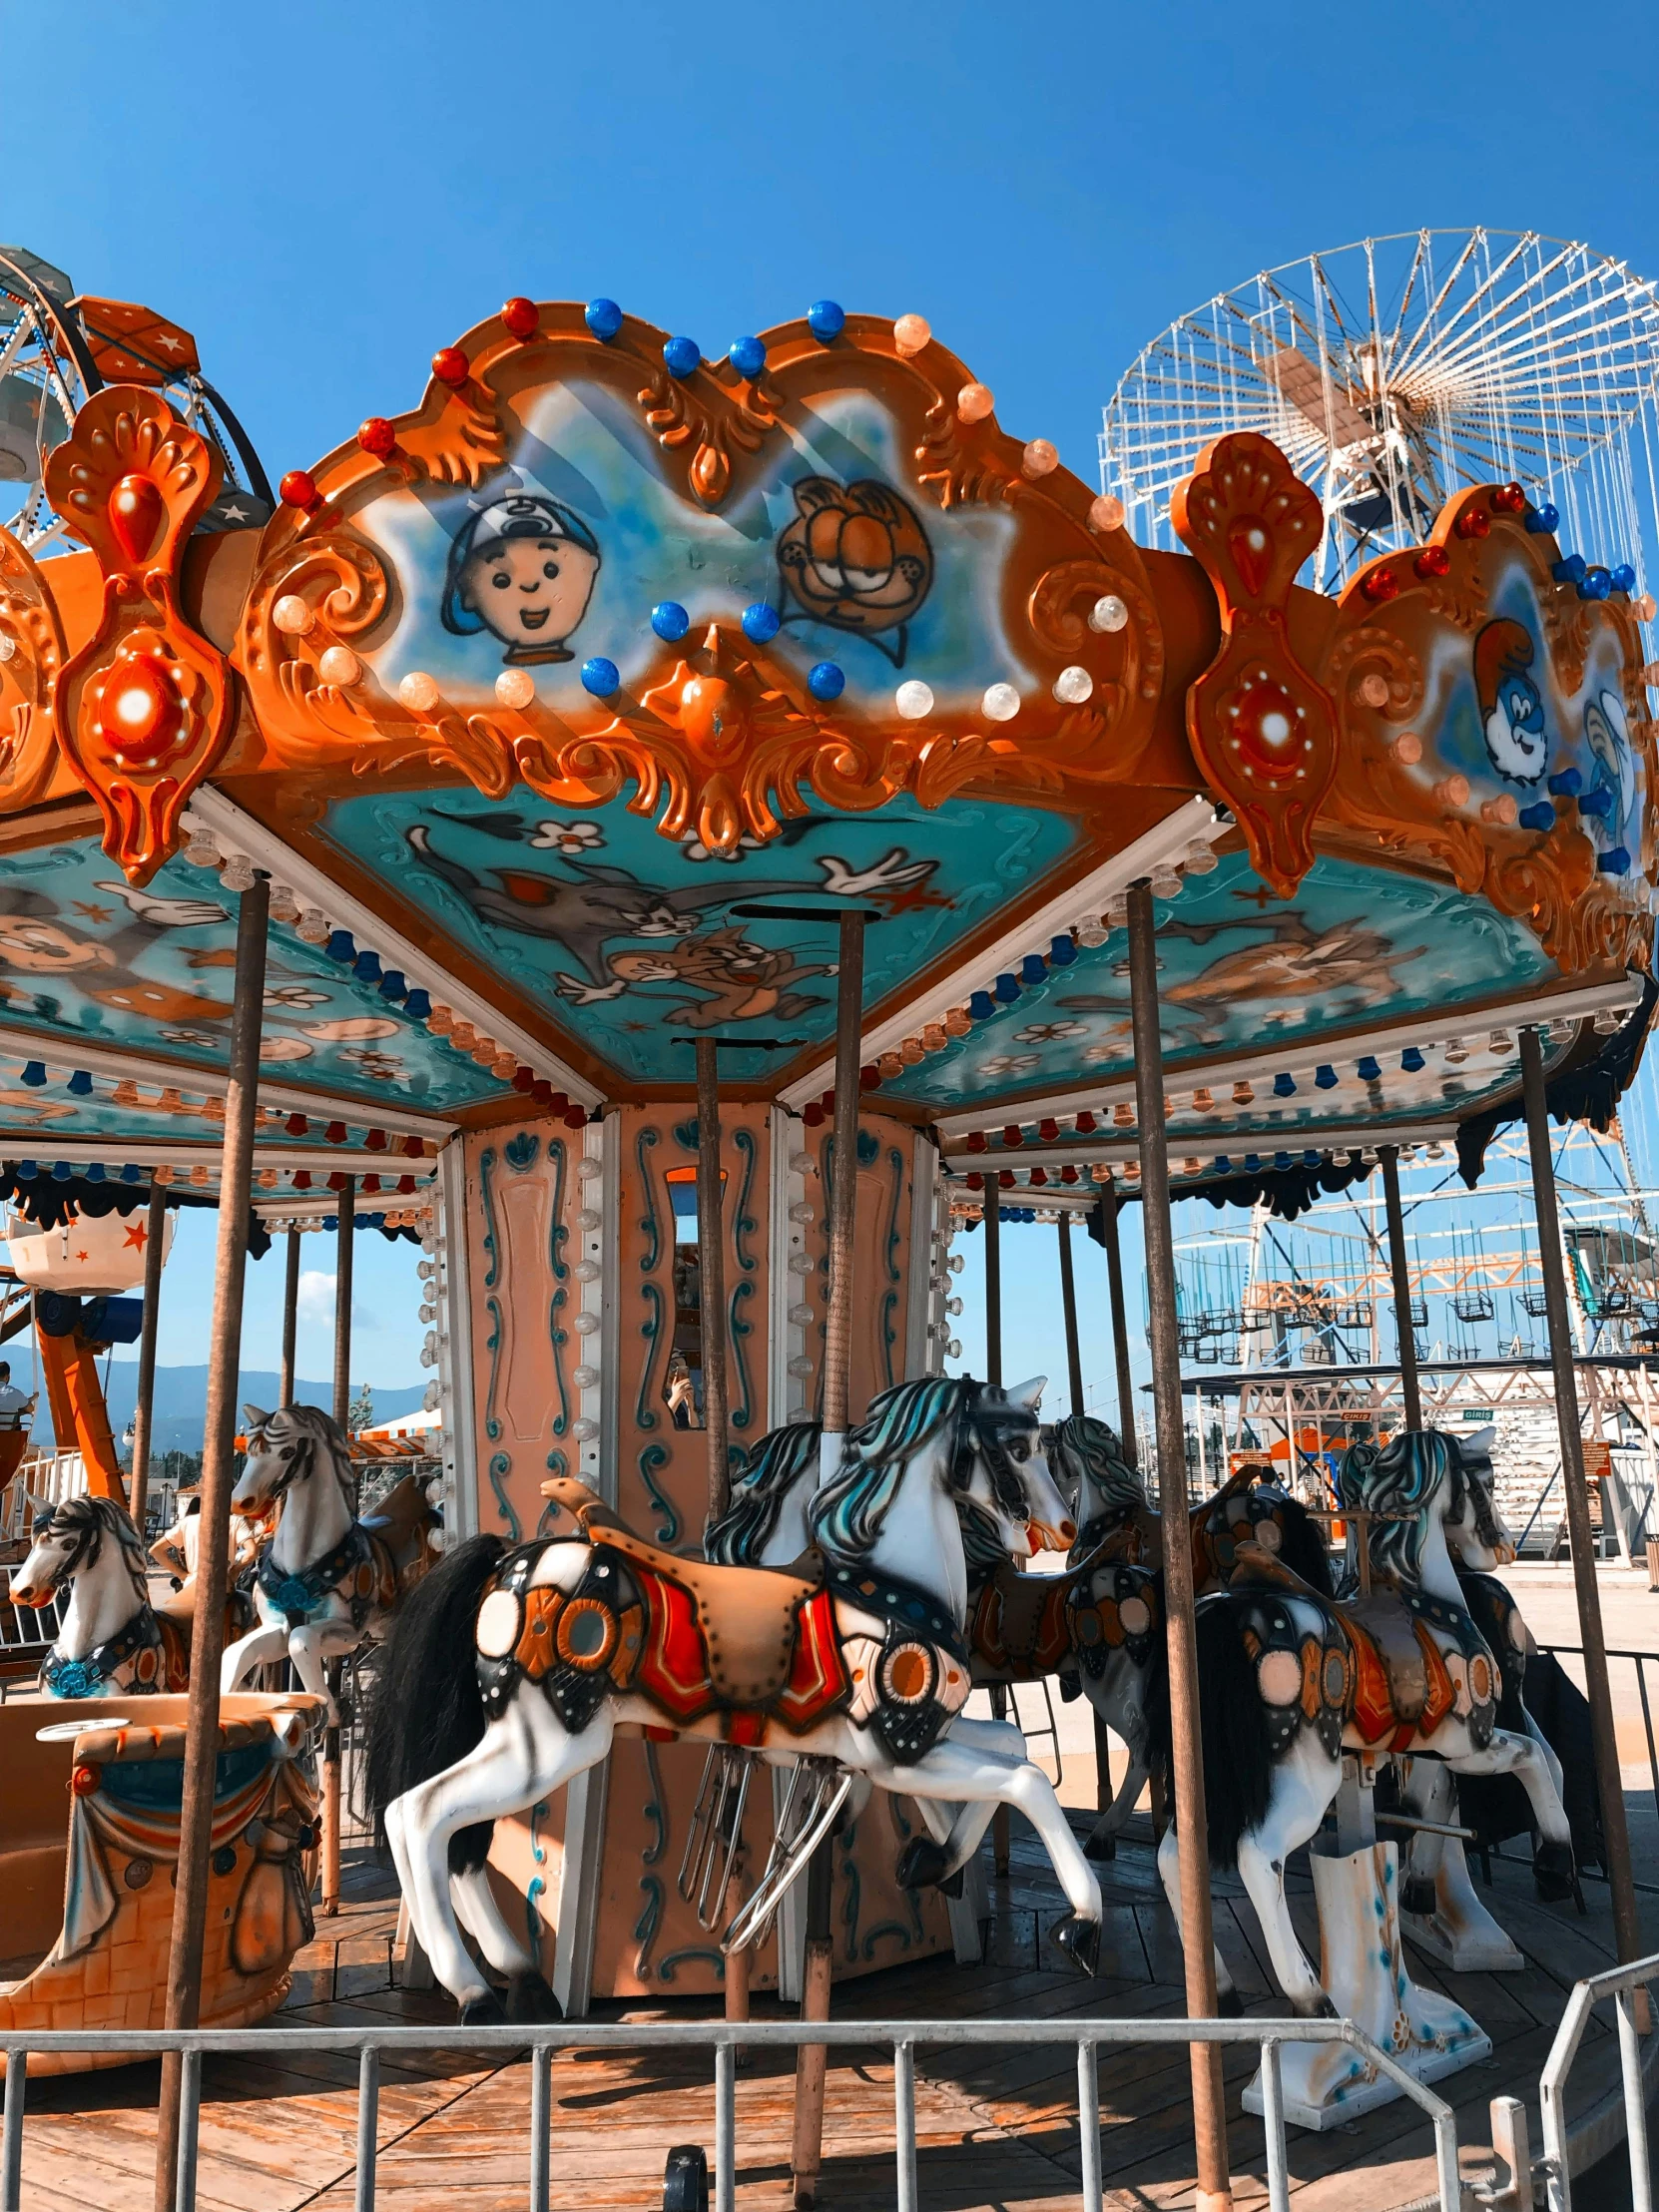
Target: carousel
[688,838]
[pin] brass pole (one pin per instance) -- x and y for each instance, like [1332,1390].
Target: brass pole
[1604,1743]
[1068,1301]
[344,1243]
[811,2063]
[145,1410]
[1209,2111]
[711,1276]
[1120,1327]
[994,1279]
[1410,1392]
[201,1760]
[290,1318]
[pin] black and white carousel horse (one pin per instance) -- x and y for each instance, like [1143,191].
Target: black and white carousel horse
[111,1642]
[516,1666]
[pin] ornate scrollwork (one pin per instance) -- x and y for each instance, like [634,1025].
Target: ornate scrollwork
[962,463]
[143,708]
[1263,729]
[680,417]
[31,656]
[1057,609]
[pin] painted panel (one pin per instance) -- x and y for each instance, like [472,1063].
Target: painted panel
[82,954]
[627,940]
[520,1207]
[1240,971]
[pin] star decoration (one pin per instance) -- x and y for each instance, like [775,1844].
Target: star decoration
[137,1238]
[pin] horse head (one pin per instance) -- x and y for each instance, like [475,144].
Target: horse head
[1475,1534]
[1091,1470]
[1009,1484]
[69,1539]
[290,1446]
[1415,1480]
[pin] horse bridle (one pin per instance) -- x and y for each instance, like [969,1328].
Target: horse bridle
[979,1430]
[289,1470]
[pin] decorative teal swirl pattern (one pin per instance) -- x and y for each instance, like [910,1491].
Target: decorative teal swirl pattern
[651,1224]
[560,1267]
[500,1464]
[651,1330]
[493,1345]
[486,1190]
[538,1883]
[653,1457]
[889,1300]
[743,1222]
[651,1887]
[741,1411]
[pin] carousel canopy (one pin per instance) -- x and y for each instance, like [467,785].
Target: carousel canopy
[569,709]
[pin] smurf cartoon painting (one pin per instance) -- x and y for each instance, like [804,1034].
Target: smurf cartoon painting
[1511,707]
[523,567]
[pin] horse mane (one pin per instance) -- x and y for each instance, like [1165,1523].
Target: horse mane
[1402,1477]
[780,1460]
[845,1515]
[94,1519]
[1087,1449]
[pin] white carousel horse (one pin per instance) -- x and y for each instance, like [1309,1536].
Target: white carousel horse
[110,1641]
[572,1637]
[326,1583]
[1289,1680]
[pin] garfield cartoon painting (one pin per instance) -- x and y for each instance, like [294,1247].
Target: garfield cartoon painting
[856,557]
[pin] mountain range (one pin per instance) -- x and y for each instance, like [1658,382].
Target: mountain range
[181,1403]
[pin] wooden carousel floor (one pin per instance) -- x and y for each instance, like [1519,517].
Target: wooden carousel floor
[993,2130]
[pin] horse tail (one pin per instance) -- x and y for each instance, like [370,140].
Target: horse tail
[1238,1757]
[428,1711]
[1303,1548]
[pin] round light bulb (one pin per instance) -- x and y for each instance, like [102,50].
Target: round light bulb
[341,666]
[8,646]
[975,402]
[1108,613]
[911,332]
[1072,686]
[1001,703]
[418,691]
[1407,749]
[914,698]
[1106,513]
[292,616]
[1040,459]
[1372,690]
[515,686]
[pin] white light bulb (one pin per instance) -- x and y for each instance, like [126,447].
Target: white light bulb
[914,698]
[911,332]
[1001,703]
[1073,684]
[1108,613]
[975,402]
[418,691]
[515,686]
[291,615]
[341,667]
[1040,457]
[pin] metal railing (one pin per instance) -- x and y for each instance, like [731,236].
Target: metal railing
[1621,1984]
[370,2046]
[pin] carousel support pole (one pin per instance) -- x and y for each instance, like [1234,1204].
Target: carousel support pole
[1410,1393]
[1604,1743]
[1074,1379]
[807,2153]
[290,1318]
[1209,2111]
[201,1760]
[711,1276]
[1002,1843]
[144,1411]
[344,1254]
[1120,1327]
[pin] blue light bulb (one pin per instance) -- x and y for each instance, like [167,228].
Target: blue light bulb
[670,620]
[1624,577]
[1538,816]
[748,356]
[760,626]
[603,318]
[601,677]
[980,1006]
[824,318]
[1544,520]
[683,355]
[1033,969]
[1412,1060]
[826,680]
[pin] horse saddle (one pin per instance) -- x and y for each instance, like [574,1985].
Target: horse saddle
[748,1616]
[1020,1623]
[398,1528]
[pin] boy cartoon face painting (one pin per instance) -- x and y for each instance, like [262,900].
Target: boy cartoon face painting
[523,568]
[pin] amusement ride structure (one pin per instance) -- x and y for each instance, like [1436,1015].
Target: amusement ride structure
[686,837]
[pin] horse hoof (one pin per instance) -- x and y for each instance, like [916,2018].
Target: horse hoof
[1078,1943]
[1229,2006]
[1552,1872]
[1101,1847]
[1417,1895]
[485,2011]
[921,1864]
[530,2002]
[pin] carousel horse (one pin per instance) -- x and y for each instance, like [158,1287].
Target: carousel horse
[862,1668]
[1289,1680]
[326,1583]
[111,1642]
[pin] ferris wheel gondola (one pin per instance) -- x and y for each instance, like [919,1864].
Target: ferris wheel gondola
[1395,371]
[57,348]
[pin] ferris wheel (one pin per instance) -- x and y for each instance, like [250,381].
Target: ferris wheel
[56,350]
[1394,371]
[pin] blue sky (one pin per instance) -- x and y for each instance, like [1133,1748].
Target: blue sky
[324,194]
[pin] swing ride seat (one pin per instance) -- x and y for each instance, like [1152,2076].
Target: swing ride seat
[748,1616]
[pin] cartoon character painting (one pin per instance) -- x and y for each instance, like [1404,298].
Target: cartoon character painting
[747,981]
[1511,707]
[1609,803]
[856,557]
[522,566]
